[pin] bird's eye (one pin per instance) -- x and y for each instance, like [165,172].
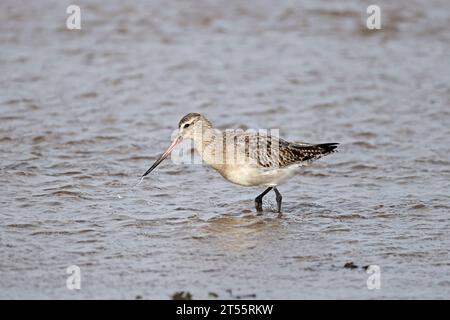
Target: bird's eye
[186,125]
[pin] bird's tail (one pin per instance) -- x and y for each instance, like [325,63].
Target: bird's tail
[327,148]
[311,152]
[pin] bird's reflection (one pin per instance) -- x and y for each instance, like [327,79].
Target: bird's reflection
[241,232]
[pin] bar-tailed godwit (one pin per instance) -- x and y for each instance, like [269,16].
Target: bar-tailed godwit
[246,158]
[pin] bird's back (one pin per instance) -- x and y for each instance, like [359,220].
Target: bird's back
[267,151]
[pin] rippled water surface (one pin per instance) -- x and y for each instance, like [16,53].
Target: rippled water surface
[84,113]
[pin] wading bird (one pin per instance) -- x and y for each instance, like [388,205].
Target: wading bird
[246,158]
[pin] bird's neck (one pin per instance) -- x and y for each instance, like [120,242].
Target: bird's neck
[209,145]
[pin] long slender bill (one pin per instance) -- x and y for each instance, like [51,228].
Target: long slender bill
[166,153]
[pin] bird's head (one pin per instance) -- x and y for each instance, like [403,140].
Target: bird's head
[191,126]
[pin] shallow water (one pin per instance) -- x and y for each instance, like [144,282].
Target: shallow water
[85,113]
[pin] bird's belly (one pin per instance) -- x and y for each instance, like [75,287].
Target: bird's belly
[239,175]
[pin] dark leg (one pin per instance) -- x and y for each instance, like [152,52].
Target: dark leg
[279,198]
[258,200]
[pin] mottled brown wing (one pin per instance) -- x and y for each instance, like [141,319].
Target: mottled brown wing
[272,152]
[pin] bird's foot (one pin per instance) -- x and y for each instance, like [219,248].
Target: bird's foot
[258,206]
